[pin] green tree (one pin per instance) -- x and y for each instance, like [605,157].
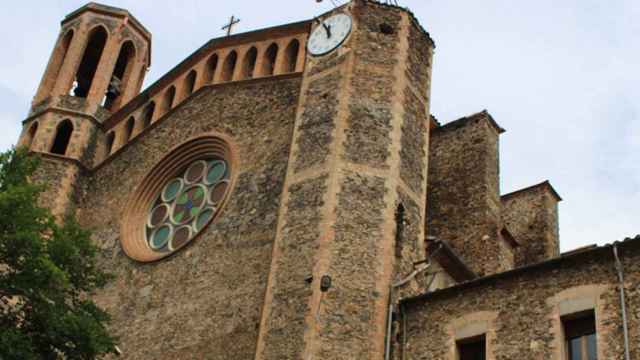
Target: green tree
[46,272]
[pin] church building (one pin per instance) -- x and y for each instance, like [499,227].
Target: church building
[285,193]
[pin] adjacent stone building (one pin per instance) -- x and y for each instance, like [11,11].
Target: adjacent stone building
[286,194]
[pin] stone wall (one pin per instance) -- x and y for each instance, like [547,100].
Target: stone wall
[205,301]
[463,195]
[58,175]
[520,311]
[532,217]
[360,115]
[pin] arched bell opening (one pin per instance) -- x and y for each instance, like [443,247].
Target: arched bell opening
[120,77]
[89,64]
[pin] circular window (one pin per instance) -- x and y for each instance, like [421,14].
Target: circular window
[180,197]
[186,204]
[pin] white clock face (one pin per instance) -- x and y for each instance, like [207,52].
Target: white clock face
[329,34]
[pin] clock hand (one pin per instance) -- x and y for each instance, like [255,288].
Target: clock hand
[327,28]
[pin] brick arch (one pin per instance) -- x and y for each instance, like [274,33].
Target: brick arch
[129,127]
[167,99]
[211,67]
[121,75]
[190,83]
[269,60]
[62,139]
[291,56]
[55,63]
[91,55]
[31,135]
[147,114]
[111,139]
[229,66]
[249,63]
[133,239]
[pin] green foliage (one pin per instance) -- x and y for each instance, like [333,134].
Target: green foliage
[46,272]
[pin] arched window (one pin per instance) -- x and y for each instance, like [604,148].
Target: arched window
[31,135]
[111,139]
[212,65]
[121,74]
[291,56]
[63,137]
[167,102]
[57,60]
[269,63]
[89,64]
[229,66]
[249,63]
[148,114]
[190,83]
[131,124]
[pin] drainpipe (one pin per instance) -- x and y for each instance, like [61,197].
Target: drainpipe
[425,265]
[620,271]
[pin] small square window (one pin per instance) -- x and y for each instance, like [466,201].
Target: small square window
[472,349]
[580,336]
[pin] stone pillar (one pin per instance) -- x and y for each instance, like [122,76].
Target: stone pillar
[360,147]
[105,68]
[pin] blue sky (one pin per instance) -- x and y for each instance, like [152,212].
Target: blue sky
[560,76]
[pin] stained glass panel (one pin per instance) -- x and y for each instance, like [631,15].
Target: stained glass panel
[187,204]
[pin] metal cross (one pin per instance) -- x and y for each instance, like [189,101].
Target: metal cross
[232,22]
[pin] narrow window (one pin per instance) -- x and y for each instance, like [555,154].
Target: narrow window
[167,102]
[111,138]
[120,76]
[472,349]
[249,63]
[89,64]
[148,114]
[190,83]
[31,135]
[291,56]
[63,136]
[212,65]
[269,64]
[400,221]
[229,66]
[580,336]
[131,123]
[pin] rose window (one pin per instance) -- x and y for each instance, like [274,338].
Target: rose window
[186,204]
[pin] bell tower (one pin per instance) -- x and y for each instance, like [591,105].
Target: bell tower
[97,65]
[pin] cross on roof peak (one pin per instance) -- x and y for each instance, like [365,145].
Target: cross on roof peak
[229,27]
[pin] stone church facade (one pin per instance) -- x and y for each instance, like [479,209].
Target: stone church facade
[286,194]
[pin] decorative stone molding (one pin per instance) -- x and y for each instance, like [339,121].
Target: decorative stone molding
[575,300]
[136,213]
[469,326]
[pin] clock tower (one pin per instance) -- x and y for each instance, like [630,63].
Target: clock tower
[355,187]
